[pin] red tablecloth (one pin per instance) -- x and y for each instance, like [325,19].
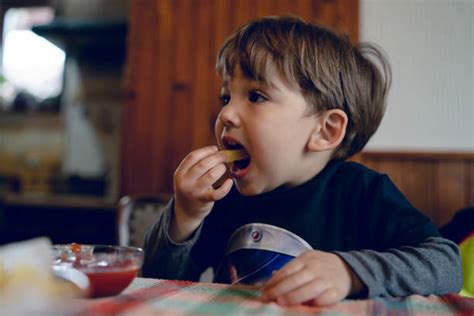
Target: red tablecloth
[163,297]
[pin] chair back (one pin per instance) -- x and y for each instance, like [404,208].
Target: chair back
[136,214]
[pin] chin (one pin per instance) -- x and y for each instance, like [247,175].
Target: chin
[247,189]
[250,188]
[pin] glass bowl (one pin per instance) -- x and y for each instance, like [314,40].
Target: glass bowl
[110,269]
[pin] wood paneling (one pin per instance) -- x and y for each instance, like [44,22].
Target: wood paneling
[450,189]
[172,86]
[438,184]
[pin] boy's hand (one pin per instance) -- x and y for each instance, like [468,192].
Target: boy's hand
[194,194]
[315,277]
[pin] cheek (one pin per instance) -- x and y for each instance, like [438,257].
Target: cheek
[270,146]
[282,144]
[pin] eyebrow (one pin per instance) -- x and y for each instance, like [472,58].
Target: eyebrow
[269,84]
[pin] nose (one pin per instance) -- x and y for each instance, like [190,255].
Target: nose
[229,115]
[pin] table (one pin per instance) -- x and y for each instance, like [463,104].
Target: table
[165,297]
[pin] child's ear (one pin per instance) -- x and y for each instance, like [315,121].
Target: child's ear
[329,132]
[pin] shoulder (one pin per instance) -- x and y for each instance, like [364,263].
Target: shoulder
[371,181]
[386,211]
[356,181]
[354,174]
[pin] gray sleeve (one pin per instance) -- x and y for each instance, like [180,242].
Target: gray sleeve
[432,267]
[165,258]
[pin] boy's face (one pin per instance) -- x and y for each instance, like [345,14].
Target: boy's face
[271,122]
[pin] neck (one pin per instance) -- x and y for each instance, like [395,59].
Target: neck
[312,164]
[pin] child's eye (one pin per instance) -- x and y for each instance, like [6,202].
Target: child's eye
[256,97]
[224,99]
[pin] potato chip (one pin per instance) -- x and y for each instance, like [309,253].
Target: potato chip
[235,154]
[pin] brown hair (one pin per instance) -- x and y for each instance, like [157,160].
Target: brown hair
[330,71]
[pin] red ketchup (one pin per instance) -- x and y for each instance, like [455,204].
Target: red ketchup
[105,280]
[106,283]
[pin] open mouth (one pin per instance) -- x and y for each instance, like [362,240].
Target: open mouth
[238,167]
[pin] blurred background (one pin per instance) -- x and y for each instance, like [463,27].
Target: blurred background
[101,99]
[61,100]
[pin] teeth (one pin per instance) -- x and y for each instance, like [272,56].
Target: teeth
[231,144]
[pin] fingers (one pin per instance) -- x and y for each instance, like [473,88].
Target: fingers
[327,297]
[204,165]
[208,167]
[192,158]
[209,177]
[290,286]
[219,193]
[286,279]
[286,282]
[207,162]
[306,292]
[197,173]
[292,267]
[301,288]
[312,277]
[213,194]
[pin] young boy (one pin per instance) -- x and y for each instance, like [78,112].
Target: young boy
[299,100]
